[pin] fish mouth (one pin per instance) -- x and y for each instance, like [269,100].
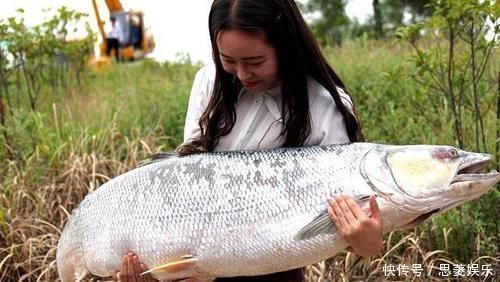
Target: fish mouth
[492,175]
[469,171]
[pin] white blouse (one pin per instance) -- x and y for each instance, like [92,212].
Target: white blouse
[258,116]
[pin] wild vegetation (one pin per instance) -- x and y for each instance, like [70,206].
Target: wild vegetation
[81,130]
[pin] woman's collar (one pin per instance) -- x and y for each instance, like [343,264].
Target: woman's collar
[270,92]
[273,91]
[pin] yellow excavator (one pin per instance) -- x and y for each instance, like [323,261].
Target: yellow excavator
[138,41]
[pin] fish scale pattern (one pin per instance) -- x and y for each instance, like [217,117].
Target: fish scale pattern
[237,212]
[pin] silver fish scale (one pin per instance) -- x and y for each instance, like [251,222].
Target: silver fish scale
[237,212]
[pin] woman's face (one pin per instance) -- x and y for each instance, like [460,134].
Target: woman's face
[249,57]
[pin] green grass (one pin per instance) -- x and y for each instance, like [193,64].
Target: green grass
[79,136]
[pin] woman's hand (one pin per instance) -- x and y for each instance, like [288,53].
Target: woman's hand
[131,270]
[363,233]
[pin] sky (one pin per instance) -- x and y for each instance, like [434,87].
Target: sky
[178,26]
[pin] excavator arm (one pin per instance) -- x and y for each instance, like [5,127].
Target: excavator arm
[114,6]
[100,23]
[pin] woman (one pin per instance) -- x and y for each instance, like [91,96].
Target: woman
[271,87]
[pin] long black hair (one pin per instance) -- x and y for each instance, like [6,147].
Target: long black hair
[299,56]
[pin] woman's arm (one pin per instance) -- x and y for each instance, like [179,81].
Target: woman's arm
[198,100]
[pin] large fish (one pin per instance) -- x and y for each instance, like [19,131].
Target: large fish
[243,213]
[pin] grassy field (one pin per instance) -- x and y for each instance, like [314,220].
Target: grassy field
[80,137]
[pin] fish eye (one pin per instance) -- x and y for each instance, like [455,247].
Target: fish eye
[453,153]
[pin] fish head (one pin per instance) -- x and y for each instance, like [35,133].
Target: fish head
[423,180]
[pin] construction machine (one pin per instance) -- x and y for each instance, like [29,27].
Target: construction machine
[138,41]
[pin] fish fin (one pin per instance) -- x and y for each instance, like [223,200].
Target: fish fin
[157,157]
[178,265]
[322,224]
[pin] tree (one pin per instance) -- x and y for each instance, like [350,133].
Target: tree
[377,17]
[332,22]
[455,64]
[388,15]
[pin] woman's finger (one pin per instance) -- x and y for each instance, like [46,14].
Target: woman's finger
[137,269]
[123,270]
[349,216]
[343,221]
[375,210]
[336,219]
[339,214]
[356,210]
[130,268]
[336,208]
